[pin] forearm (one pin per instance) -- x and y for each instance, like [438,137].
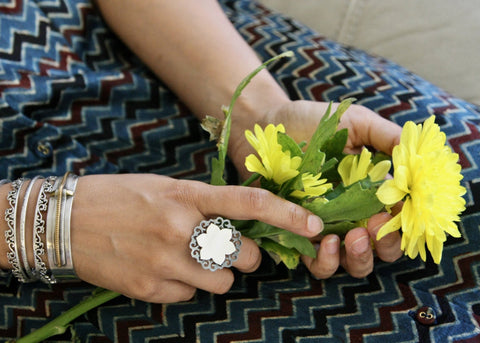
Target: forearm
[192,46]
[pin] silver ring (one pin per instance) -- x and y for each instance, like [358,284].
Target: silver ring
[215,243]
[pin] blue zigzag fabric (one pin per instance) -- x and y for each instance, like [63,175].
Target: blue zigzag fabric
[73,97]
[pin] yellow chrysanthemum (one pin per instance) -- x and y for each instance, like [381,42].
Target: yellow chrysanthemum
[427,177]
[274,163]
[353,169]
[313,186]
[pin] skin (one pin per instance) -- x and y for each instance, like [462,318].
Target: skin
[130,233]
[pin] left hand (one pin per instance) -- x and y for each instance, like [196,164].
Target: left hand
[365,128]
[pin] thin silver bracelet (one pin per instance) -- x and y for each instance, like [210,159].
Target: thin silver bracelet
[30,277]
[41,270]
[11,233]
[59,248]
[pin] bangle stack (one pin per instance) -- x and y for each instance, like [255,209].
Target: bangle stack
[54,201]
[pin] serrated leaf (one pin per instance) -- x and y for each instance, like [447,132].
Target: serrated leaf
[334,147]
[325,131]
[290,257]
[288,144]
[354,204]
[260,229]
[291,240]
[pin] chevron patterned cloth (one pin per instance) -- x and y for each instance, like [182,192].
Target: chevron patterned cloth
[73,97]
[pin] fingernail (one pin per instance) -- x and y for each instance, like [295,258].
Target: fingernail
[314,224]
[361,245]
[331,246]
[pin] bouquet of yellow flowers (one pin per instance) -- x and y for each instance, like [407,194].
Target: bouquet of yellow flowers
[346,190]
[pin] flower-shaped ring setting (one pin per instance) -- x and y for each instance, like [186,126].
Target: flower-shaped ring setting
[215,243]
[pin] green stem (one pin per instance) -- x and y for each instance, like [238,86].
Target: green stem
[217,179]
[60,324]
[251,179]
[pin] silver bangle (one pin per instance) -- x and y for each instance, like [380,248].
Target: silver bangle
[4,272]
[59,248]
[41,270]
[23,245]
[11,233]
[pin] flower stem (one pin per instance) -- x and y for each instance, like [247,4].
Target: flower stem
[222,145]
[251,179]
[60,324]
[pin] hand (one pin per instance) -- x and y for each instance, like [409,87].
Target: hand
[365,127]
[131,233]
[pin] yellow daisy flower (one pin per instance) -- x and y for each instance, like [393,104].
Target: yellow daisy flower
[353,168]
[427,177]
[274,163]
[313,186]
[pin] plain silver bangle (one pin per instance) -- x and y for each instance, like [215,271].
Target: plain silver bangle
[59,248]
[23,245]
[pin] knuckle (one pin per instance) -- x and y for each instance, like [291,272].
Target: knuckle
[185,192]
[144,288]
[258,199]
[295,214]
[188,294]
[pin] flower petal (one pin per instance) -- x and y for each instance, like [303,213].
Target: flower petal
[379,171]
[390,226]
[389,194]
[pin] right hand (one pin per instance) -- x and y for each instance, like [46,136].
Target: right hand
[131,232]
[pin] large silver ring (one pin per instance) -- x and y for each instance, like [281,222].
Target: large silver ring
[215,243]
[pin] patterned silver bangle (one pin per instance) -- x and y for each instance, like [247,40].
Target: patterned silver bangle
[59,249]
[30,277]
[11,233]
[41,270]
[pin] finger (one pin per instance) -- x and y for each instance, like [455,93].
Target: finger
[166,291]
[249,258]
[388,248]
[358,256]
[368,128]
[246,203]
[328,258]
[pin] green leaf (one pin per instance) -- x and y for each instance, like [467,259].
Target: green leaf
[325,131]
[339,229]
[334,147]
[260,229]
[354,204]
[217,173]
[288,144]
[290,257]
[291,240]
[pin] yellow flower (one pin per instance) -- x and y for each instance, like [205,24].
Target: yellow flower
[313,186]
[353,169]
[427,177]
[275,164]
